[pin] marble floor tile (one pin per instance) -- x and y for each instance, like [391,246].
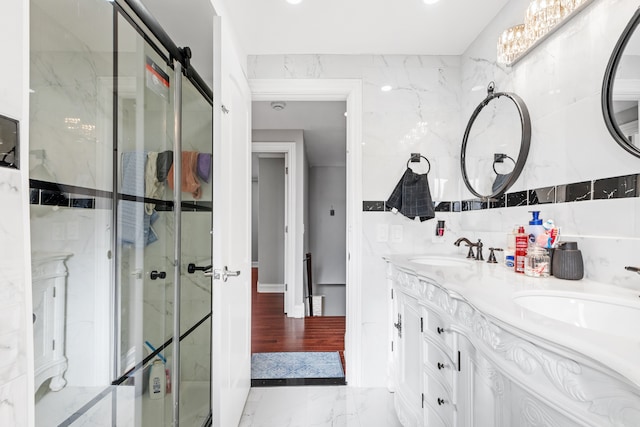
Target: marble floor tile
[319,406]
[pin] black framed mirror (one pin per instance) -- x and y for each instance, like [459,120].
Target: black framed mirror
[621,89]
[496,144]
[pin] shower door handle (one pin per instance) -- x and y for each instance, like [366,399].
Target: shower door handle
[223,274]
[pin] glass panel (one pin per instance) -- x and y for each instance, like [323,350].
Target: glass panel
[71,81]
[145,227]
[195,350]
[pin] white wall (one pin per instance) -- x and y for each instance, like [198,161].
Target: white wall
[560,82]
[295,136]
[271,190]
[16,341]
[327,234]
[255,206]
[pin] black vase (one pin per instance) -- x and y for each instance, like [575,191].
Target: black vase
[567,262]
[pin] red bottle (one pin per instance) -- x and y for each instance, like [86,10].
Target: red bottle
[522,241]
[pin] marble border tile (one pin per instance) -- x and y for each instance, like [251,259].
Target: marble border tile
[616,188]
[519,198]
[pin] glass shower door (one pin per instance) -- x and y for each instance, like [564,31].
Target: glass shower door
[195,319]
[146,235]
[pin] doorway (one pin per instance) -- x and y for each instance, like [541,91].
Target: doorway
[351,92]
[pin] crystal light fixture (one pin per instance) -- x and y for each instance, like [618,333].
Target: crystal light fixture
[542,15]
[541,18]
[511,43]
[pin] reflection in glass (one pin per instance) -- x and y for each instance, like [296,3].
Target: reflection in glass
[621,89]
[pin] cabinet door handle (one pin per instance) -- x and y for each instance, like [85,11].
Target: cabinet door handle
[398,325]
[442,365]
[441,330]
[441,402]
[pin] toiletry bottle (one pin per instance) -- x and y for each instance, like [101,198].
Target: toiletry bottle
[157,380]
[522,242]
[535,227]
[510,252]
[440,228]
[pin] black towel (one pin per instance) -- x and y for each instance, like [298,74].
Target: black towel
[499,182]
[412,196]
[163,164]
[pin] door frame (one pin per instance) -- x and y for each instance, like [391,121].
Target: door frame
[290,214]
[349,90]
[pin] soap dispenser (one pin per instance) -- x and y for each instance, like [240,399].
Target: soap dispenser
[535,227]
[567,261]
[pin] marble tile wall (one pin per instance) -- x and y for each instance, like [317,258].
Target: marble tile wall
[14,304]
[560,81]
[16,348]
[427,111]
[421,114]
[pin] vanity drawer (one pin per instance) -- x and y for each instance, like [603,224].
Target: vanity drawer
[438,363]
[435,328]
[438,400]
[431,419]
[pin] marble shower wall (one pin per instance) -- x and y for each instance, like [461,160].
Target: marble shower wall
[560,81]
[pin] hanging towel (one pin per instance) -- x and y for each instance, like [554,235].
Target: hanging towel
[204,166]
[412,196]
[189,181]
[164,163]
[153,188]
[499,182]
[135,224]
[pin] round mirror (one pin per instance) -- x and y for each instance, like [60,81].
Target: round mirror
[621,89]
[495,144]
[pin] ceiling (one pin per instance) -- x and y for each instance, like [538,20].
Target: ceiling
[448,27]
[323,122]
[265,27]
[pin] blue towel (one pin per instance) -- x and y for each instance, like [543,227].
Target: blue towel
[135,224]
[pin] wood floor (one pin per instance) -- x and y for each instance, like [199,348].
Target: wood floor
[272,331]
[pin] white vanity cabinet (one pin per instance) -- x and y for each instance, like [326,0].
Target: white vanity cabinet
[49,276]
[475,370]
[407,358]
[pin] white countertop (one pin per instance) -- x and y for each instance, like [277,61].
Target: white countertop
[491,288]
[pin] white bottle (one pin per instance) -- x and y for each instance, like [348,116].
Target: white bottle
[510,252]
[157,380]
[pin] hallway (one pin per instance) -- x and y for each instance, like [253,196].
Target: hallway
[273,331]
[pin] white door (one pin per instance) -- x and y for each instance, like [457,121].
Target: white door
[231,306]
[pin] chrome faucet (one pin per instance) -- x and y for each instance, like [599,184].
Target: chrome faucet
[478,245]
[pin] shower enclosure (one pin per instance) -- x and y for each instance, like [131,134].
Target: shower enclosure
[116,113]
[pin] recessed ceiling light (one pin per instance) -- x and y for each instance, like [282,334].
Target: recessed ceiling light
[430,1]
[386,88]
[294,1]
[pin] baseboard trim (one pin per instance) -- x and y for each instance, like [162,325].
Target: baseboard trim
[270,288]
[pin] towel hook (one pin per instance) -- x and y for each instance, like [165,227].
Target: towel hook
[415,158]
[499,158]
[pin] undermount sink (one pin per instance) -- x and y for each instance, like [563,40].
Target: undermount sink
[441,261]
[615,316]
